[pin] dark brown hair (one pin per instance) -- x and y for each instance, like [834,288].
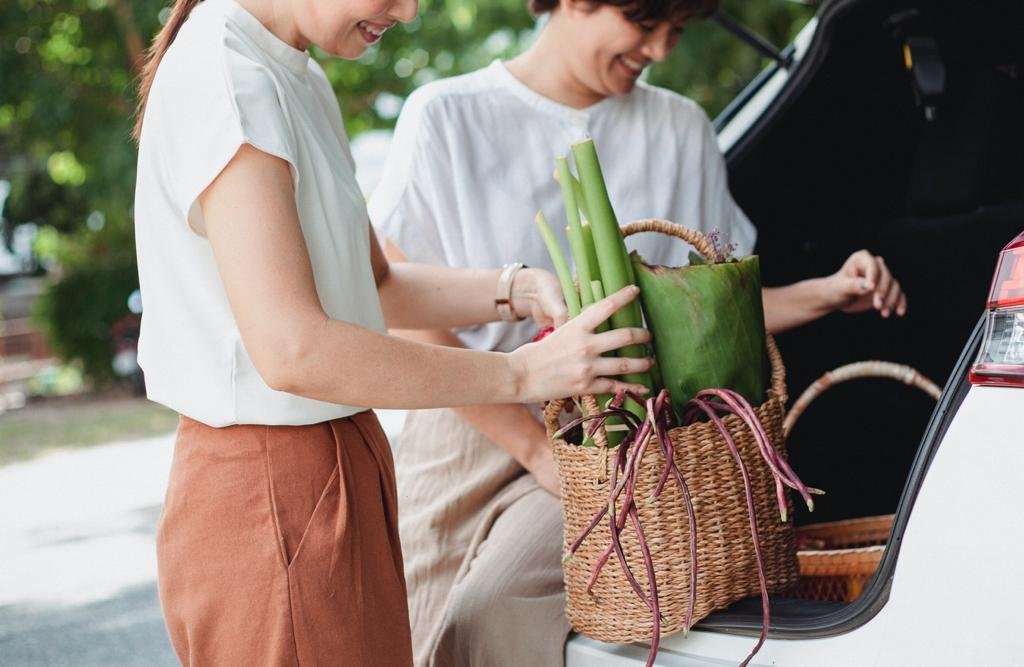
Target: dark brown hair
[162,41]
[641,11]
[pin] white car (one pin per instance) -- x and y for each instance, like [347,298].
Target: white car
[898,126]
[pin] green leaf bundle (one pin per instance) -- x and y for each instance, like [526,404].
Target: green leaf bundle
[707,322]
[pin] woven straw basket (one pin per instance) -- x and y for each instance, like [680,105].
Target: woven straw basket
[838,558]
[726,563]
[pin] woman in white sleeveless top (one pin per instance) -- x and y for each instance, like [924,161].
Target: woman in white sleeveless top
[471,163]
[266,301]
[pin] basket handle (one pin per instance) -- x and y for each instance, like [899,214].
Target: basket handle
[860,369]
[695,238]
[704,246]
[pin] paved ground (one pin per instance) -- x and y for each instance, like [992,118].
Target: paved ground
[77,561]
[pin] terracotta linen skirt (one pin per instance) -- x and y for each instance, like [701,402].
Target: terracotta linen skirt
[278,545]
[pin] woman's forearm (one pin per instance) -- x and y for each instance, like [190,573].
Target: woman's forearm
[511,426]
[793,305]
[416,296]
[339,362]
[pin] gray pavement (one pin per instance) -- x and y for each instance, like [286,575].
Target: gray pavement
[77,555]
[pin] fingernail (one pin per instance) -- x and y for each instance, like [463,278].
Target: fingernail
[885,312]
[865,286]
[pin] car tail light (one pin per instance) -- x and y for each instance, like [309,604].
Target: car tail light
[1000,361]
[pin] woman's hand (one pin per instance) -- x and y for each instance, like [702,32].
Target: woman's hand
[865,282]
[537,294]
[569,362]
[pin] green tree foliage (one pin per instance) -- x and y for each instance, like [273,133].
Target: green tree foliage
[67,70]
[83,332]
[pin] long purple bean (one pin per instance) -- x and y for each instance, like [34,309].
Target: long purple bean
[729,406]
[788,474]
[616,543]
[616,524]
[596,519]
[783,463]
[765,612]
[739,407]
[649,564]
[666,446]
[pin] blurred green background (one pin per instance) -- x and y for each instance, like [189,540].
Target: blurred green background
[67,71]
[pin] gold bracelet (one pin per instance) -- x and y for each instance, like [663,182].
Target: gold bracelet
[503,300]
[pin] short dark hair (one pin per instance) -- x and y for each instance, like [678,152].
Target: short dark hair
[640,11]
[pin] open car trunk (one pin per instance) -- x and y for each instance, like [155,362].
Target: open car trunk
[930,175]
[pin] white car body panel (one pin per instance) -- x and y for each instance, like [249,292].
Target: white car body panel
[956,596]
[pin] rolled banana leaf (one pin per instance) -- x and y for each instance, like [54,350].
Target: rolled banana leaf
[707,325]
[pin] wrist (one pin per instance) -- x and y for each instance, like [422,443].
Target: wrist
[523,292]
[516,377]
[825,298]
[537,452]
[819,297]
[504,298]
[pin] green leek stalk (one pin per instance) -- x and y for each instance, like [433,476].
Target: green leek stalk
[591,251]
[584,270]
[578,250]
[576,188]
[707,322]
[614,435]
[613,261]
[572,299]
[598,289]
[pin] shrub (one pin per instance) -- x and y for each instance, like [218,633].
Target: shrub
[78,312]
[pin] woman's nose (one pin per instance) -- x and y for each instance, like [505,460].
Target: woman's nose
[405,10]
[660,42]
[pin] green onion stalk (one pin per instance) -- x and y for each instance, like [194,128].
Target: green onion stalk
[575,186]
[584,269]
[612,259]
[572,299]
[582,246]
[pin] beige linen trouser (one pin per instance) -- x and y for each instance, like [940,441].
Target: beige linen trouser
[482,545]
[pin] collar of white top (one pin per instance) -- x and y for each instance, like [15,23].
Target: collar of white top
[281,51]
[542,103]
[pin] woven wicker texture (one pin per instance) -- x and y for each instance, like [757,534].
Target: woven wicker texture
[837,559]
[726,563]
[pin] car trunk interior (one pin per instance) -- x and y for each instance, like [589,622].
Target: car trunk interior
[930,176]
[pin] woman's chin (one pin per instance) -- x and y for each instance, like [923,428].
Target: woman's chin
[623,87]
[347,49]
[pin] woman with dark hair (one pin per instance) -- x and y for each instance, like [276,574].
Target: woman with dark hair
[471,163]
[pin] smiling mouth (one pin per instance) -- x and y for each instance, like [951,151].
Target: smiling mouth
[634,66]
[372,32]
